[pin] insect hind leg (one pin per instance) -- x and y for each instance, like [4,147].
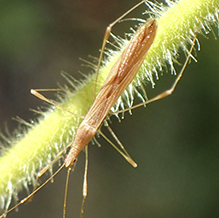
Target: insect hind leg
[169,91]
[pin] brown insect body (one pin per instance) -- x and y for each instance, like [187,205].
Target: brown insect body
[120,76]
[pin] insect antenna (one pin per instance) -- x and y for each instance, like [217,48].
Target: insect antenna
[35,191]
[84,186]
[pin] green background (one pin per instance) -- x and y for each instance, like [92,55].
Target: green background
[174,141]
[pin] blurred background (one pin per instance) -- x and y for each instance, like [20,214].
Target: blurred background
[175,141]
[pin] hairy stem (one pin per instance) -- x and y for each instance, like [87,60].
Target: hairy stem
[36,146]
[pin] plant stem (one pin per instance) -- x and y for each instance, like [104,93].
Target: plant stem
[35,147]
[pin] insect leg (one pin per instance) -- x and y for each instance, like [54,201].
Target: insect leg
[43,98]
[169,91]
[126,156]
[106,37]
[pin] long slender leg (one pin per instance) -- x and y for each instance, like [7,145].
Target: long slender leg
[36,93]
[106,37]
[167,92]
[117,140]
[127,157]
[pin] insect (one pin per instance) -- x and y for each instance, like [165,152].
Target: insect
[119,78]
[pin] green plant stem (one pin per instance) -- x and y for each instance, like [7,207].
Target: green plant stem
[38,145]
